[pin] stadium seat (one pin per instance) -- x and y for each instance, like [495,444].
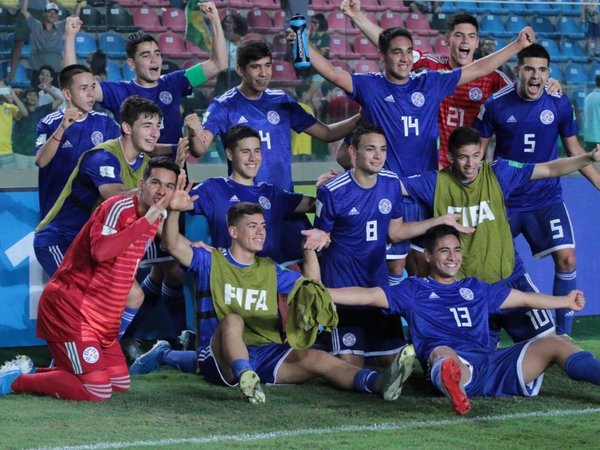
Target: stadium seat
[148,20]
[172,45]
[365,48]
[491,8]
[576,74]
[279,46]
[552,47]
[542,7]
[578,100]
[366,66]
[371,5]
[340,64]
[85,44]
[340,48]
[284,74]
[468,7]
[174,19]
[169,66]
[390,19]
[266,4]
[119,19]
[441,47]
[255,37]
[130,3]
[322,6]
[26,51]
[514,24]
[196,51]
[570,28]
[594,72]
[450,7]
[158,3]
[543,27]
[22,77]
[439,21]
[517,8]
[6,20]
[338,23]
[568,9]
[113,71]
[572,51]
[279,21]
[422,44]
[93,19]
[126,72]
[557,72]
[418,23]
[112,44]
[491,25]
[260,21]
[393,5]
[5,50]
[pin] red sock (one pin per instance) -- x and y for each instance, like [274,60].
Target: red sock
[66,386]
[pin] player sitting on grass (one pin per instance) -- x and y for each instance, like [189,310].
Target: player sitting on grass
[448,322]
[246,346]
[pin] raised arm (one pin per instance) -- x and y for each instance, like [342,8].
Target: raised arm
[488,64]
[357,296]
[401,231]
[199,138]
[564,166]
[218,52]
[72,27]
[573,148]
[323,67]
[574,300]
[334,131]
[351,8]
[25,9]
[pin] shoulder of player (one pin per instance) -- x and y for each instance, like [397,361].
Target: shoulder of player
[510,89]
[341,180]
[388,175]
[427,60]
[53,117]
[116,206]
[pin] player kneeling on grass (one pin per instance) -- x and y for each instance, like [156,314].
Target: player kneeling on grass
[448,322]
[81,306]
[246,347]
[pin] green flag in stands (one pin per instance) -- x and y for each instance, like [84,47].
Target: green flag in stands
[195,30]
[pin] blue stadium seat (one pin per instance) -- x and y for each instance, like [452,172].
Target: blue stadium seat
[126,72]
[543,27]
[570,28]
[5,50]
[85,44]
[22,77]
[572,51]
[552,47]
[557,72]
[491,8]
[517,8]
[576,74]
[112,44]
[113,71]
[578,99]
[594,72]
[514,24]
[542,7]
[491,25]
[450,7]
[568,9]
[468,7]
[26,51]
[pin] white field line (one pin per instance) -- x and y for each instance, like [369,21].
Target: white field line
[245,437]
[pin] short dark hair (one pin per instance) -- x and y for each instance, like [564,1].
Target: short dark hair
[533,51]
[252,50]
[135,39]
[241,209]
[240,26]
[238,132]
[457,19]
[163,162]
[387,35]
[134,106]
[361,130]
[65,77]
[98,61]
[434,234]
[321,20]
[49,69]
[462,136]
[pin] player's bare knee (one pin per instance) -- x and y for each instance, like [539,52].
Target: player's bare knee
[565,260]
[232,321]
[135,298]
[441,351]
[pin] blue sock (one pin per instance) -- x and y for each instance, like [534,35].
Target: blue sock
[364,380]
[564,282]
[152,290]
[126,319]
[239,366]
[436,377]
[396,279]
[180,360]
[583,366]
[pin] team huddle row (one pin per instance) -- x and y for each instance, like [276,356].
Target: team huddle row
[460,221]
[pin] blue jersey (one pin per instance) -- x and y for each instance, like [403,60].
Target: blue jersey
[200,267]
[97,168]
[408,115]
[217,195]
[510,175]
[274,115]
[455,315]
[78,138]
[527,131]
[166,94]
[357,219]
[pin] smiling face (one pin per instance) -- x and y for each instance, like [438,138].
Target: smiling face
[146,63]
[256,76]
[81,94]
[370,155]
[466,161]
[245,160]
[144,132]
[249,233]
[445,259]
[161,182]
[398,59]
[462,41]
[533,75]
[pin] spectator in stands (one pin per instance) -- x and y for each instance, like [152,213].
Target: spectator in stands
[22,32]
[319,34]
[590,15]
[48,93]
[24,135]
[487,47]
[591,117]
[235,28]
[11,110]
[97,63]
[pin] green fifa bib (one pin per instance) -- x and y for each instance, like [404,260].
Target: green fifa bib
[250,292]
[129,177]
[488,254]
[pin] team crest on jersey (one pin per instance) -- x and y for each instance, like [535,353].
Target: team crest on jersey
[466,293]
[91,355]
[165,97]
[385,206]
[475,94]
[264,202]
[417,99]
[546,117]
[349,339]
[97,137]
[273,117]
